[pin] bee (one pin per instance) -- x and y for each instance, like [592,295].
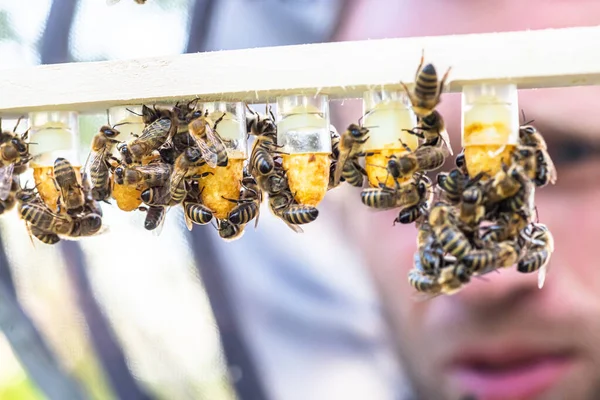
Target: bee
[523,198]
[350,147]
[261,158]
[380,198]
[44,237]
[472,208]
[207,139]
[71,192]
[508,227]
[229,231]
[545,171]
[248,206]
[98,162]
[451,238]
[259,125]
[190,158]
[155,216]
[151,175]
[274,183]
[196,213]
[427,91]
[425,158]
[298,214]
[417,199]
[14,156]
[281,202]
[153,137]
[430,256]
[541,247]
[90,205]
[423,282]
[432,129]
[41,217]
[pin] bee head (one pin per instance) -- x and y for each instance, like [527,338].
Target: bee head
[527,130]
[119,174]
[357,131]
[109,132]
[91,223]
[460,160]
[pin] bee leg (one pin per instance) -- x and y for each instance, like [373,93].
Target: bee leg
[406,147]
[218,120]
[420,64]
[411,97]
[135,135]
[414,132]
[443,82]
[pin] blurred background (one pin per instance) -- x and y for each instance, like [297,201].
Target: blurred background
[130,315]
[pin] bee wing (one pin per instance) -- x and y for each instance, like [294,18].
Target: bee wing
[446,139]
[160,127]
[161,224]
[28,227]
[188,222]
[551,167]
[339,167]
[6,173]
[213,136]
[293,227]
[208,153]
[542,275]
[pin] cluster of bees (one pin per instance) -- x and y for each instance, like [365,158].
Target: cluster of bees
[67,211]
[478,223]
[468,224]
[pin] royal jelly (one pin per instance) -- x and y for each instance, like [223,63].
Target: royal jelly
[55,134]
[386,115]
[304,140]
[490,126]
[225,182]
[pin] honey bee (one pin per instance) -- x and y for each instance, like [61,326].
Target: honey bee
[545,171]
[155,216]
[274,183]
[196,213]
[151,175]
[350,147]
[425,158]
[14,156]
[207,139]
[86,225]
[298,214]
[153,136]
[229,231]
[183,168]
[472,208]
[428,90]
[416,199]
[432,130]
[451,238]
[248,206]
[90,205]
[423,282]
[261,158]
[44,237]
[259,125]
[71,192]
[281,202]
[98,162]
[41,217]
[380,198]
[508,227]
[540,249]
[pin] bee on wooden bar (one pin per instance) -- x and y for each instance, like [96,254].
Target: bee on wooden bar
[98,162]
[350,147]
[427,92]
[261,159]
[14,158]
[67,183]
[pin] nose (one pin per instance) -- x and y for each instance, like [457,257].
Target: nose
[498,289]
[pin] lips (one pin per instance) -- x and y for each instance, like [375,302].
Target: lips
[508,374]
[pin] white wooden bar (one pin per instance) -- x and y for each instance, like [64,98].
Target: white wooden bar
[532,59]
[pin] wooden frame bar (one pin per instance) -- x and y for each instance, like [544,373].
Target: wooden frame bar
[531,59]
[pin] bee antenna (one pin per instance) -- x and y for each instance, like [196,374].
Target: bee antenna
[249,109]
[120,123]
[133,112]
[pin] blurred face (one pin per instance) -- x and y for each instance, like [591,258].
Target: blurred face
[501,337]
